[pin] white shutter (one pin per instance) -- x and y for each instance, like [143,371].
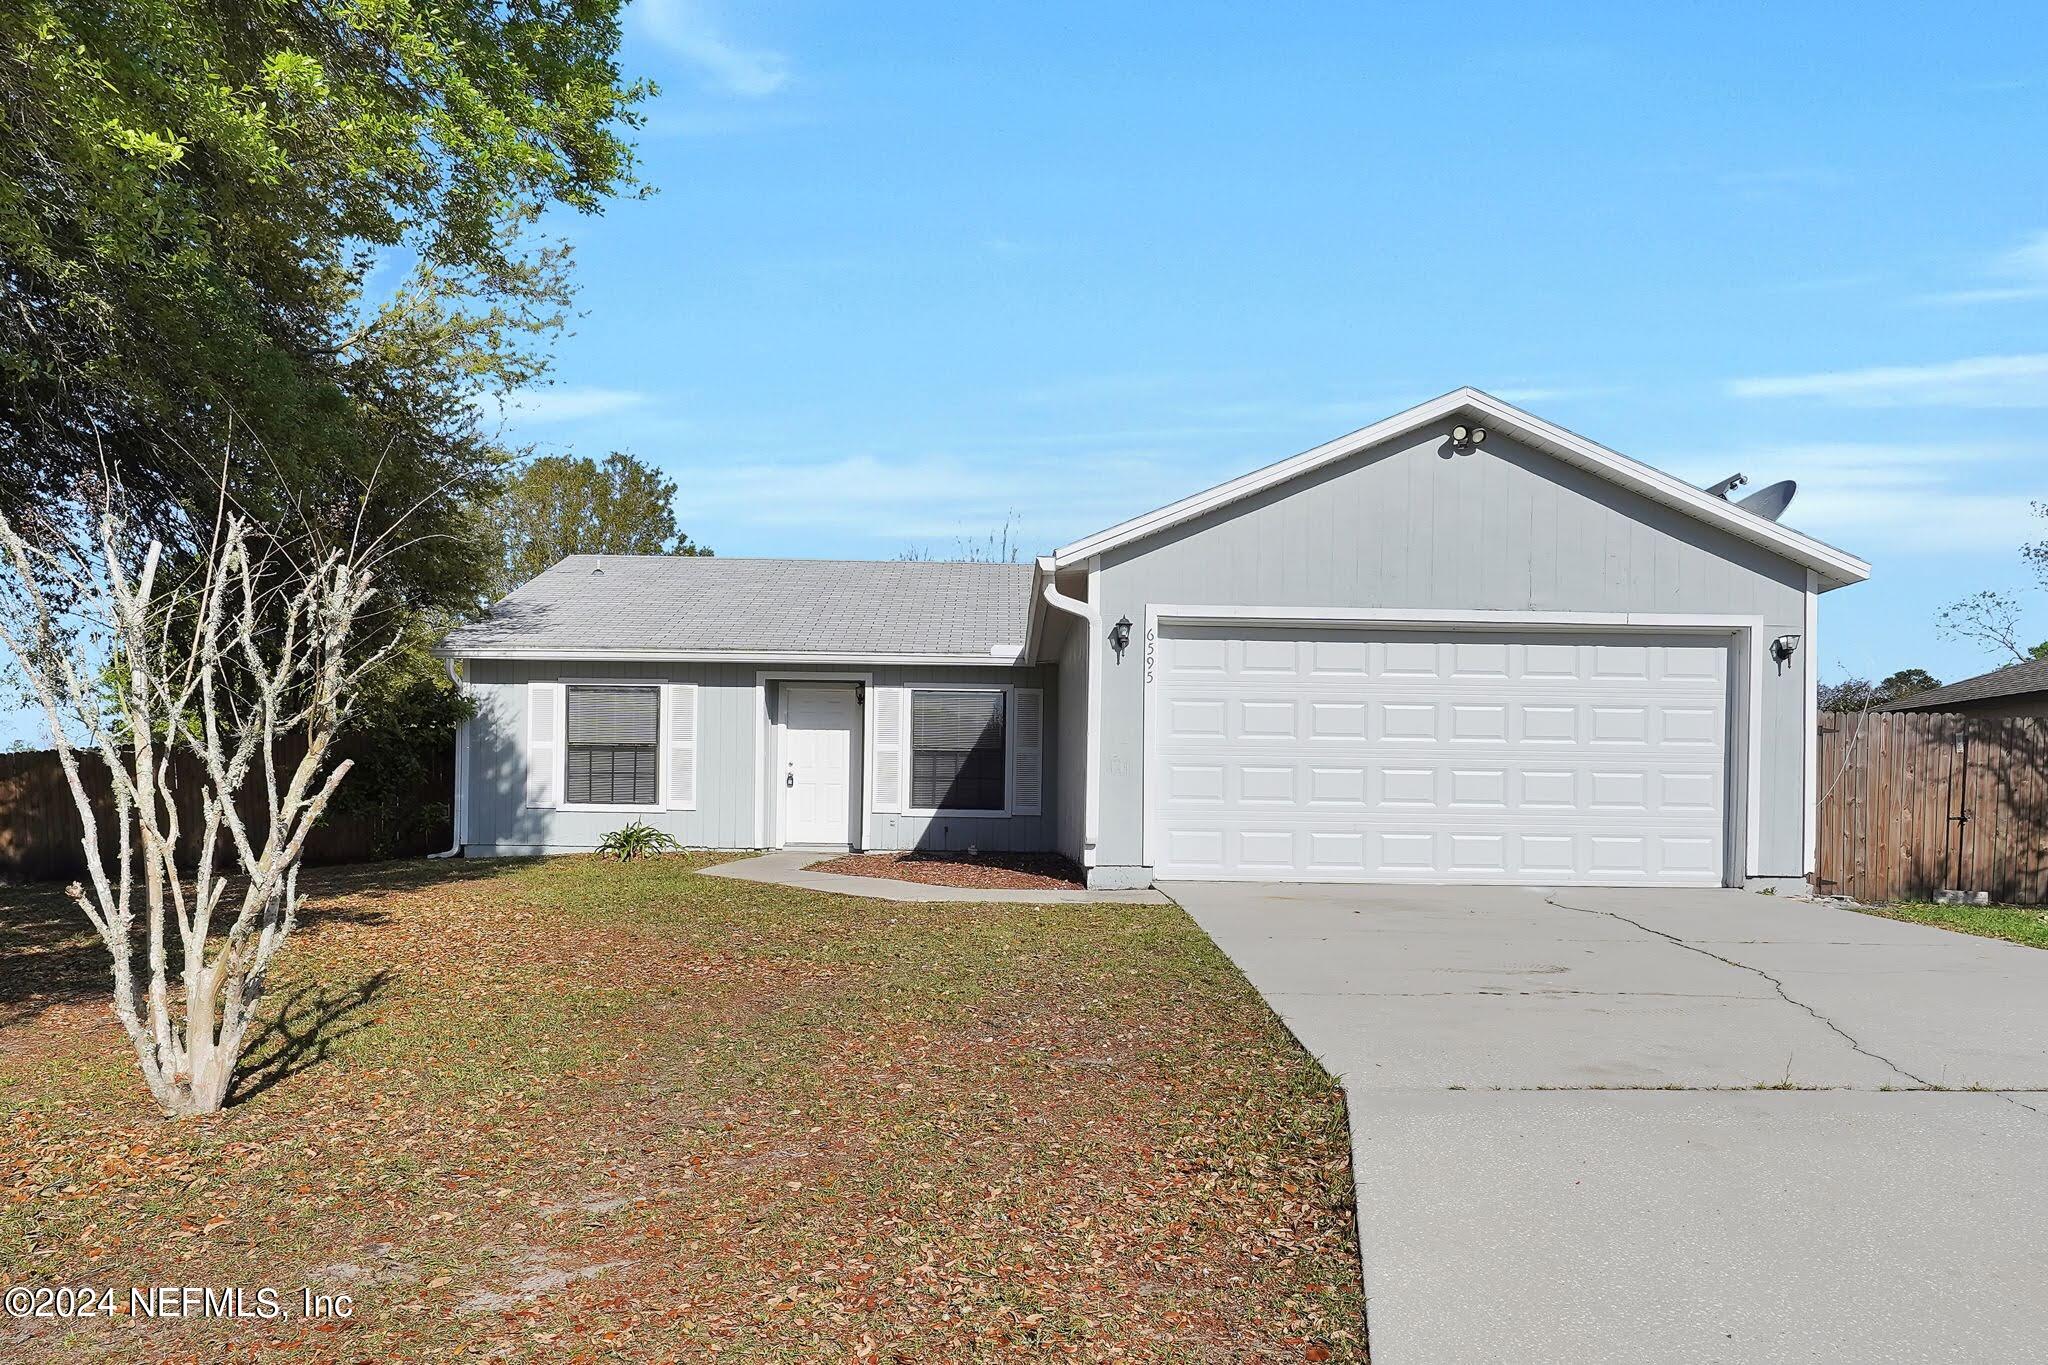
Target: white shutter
[679,735]
[1027,750]
[885,718]
[543,744]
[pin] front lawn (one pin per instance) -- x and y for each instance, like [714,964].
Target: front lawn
[2026,924]
[585,1110]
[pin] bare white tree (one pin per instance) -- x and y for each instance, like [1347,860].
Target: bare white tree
[130,672]
[1989,619]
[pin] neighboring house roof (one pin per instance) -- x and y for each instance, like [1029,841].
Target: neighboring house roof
[1836,568]
[680,606]
[2014,680]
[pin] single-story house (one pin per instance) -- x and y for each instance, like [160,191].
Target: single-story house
[2015,690]
[1459,645]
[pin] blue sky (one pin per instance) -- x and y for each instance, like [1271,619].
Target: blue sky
[912,268]
[915,267]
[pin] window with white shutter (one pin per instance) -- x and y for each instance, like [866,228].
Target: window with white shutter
[885,719]
[543,743]
[1027,750]
[682,745]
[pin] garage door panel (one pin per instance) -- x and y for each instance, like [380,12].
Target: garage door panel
[1333,755]
[1338,720]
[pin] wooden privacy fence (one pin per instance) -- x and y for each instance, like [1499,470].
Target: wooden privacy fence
[40,831]
[1914,802]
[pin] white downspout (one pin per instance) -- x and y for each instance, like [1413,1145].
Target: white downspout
[1091,801]
[459,813]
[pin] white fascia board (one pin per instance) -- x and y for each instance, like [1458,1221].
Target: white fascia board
[1010,657]
[1836,568]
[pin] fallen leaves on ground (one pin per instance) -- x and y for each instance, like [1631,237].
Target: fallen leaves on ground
[586,1110]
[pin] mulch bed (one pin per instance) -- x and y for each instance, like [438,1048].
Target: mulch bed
[982,871]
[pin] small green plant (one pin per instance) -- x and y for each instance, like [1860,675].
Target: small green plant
[637,840]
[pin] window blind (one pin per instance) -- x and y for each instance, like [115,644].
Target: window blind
[613,715]
[956,743]
[612,758]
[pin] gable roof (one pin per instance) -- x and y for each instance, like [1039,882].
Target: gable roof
[2014,680]
[680,606]
[1836,568]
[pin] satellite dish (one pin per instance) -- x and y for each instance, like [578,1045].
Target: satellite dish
[1771,501]
[1727,485]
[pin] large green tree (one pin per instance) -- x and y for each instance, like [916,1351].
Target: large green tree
[284,246]
[560,505]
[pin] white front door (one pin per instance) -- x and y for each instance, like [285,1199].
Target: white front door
[820,765]
[1440,756]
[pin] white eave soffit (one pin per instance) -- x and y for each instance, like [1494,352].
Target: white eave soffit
[1836,568]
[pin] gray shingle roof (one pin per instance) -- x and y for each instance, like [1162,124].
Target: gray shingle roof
[641,603]
[2014,680]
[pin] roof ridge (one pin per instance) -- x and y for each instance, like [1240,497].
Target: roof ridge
[787,559]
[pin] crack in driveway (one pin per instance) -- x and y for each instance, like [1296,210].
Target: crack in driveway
[1785,995]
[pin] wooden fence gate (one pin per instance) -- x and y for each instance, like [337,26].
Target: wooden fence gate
[1912,802]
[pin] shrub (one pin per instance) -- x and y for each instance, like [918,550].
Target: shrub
[637,840]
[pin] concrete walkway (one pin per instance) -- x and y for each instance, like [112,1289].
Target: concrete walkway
[1573,1140]
[791,869]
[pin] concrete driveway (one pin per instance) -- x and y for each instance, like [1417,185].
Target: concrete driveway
[1599,1125]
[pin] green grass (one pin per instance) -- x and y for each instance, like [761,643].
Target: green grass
[2026,924]
[587,1110]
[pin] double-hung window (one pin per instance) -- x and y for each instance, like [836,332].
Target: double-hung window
[956,751]
[614,753]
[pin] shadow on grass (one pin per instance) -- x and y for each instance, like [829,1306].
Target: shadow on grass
[50,956]
[300,1029]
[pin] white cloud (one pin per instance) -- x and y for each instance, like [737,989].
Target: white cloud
[565,403]
[1527,395]
[1992,381]
[693,32]
[1873,497]
[2021,273]
[932,499]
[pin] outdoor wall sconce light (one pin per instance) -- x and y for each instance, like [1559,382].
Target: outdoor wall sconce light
[1120,636]
[860,694]
[1783,647]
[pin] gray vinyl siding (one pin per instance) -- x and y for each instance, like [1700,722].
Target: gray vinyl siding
[732,781]
[1070,738]
[1406,525]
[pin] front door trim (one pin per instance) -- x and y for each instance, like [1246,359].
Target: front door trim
[767,796]
[1747,641]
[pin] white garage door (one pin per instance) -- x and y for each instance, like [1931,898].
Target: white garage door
[1341,755]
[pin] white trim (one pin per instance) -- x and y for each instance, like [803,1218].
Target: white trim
[910,691]
[1747,632]
[761,726]
[1810,682]
[1836,567]
[1010,657]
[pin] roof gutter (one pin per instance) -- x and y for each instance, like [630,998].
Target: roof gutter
[999,656]
[1091,801]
